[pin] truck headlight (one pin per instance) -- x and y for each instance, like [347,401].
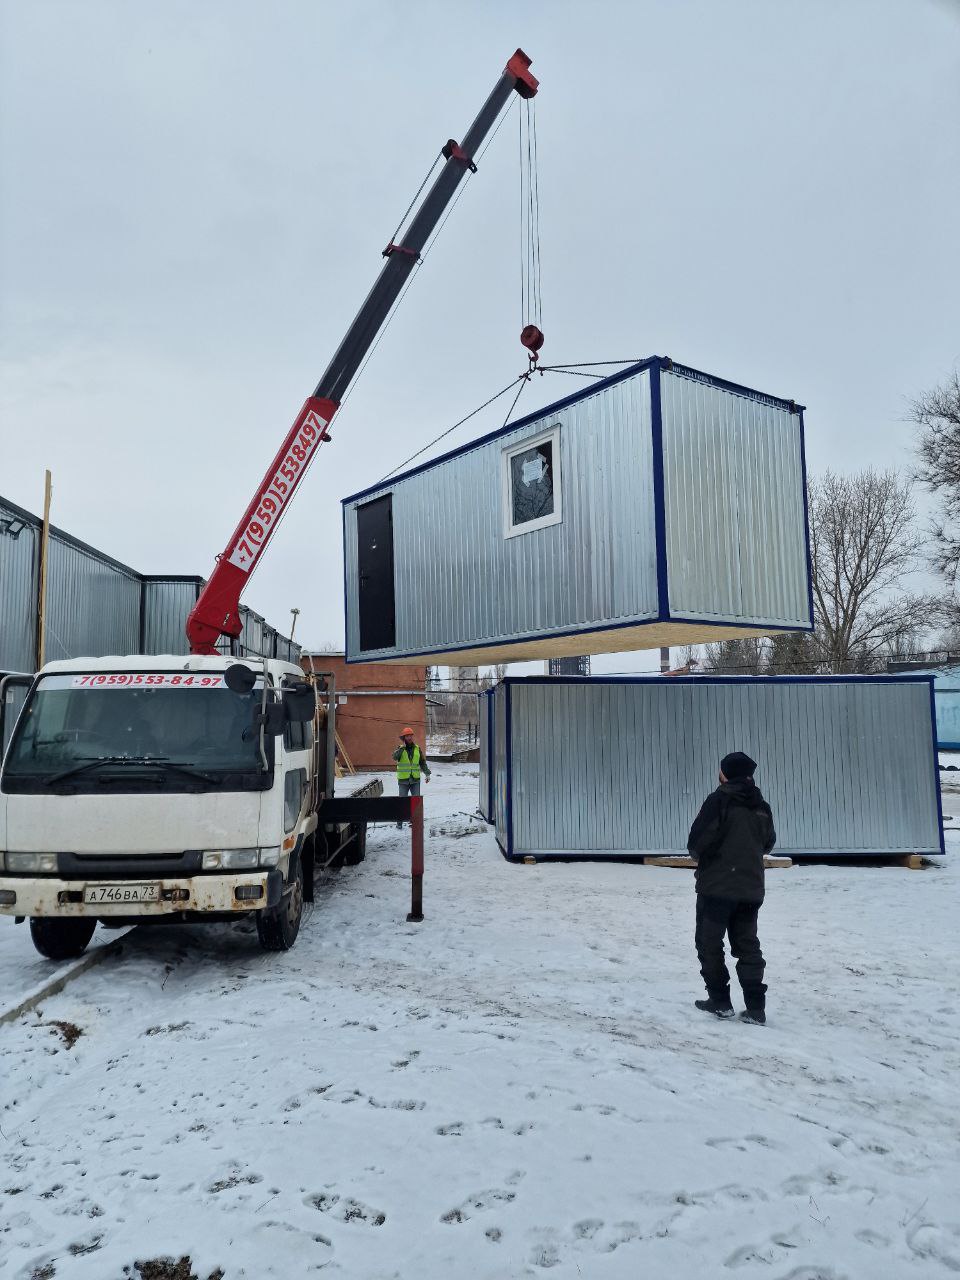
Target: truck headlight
[231,859]
[45,863]
[270,857]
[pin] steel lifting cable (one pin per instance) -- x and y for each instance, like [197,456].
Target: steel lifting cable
[531,296]
[522,379]
[443,434]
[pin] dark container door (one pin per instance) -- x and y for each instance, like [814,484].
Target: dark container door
[378,622]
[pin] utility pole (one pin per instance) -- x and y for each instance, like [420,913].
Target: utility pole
[293,625]
[44,556]
[664,661]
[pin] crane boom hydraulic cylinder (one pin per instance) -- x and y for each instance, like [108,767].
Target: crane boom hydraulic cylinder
[217,611]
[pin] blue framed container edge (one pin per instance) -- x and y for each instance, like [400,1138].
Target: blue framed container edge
[649,362]
[898,678]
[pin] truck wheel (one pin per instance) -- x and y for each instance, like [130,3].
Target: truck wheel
[357,849]
[61,939]
[277,928]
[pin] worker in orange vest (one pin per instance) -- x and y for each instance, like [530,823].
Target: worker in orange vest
[411,762]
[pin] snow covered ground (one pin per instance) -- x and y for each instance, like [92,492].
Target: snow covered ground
[518,1086]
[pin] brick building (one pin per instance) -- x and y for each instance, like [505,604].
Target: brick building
[381,699]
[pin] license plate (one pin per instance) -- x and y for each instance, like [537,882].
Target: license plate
[94,893]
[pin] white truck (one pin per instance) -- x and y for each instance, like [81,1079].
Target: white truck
[167,788]
[142,788]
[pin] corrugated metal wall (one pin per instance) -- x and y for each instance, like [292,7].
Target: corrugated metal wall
[946,691]
[97,606]
[460,581]
[93,606]
[648,752]
[19,560]
[733,501]
[166,604]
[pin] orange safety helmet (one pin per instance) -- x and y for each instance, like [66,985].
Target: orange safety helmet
[406,733]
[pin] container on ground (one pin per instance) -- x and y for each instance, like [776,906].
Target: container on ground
[616,767]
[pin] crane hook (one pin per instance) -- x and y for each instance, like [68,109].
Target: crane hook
[532,338]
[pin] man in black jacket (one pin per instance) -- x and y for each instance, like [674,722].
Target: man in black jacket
[728,840]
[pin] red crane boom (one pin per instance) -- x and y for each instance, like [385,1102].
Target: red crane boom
[217,611]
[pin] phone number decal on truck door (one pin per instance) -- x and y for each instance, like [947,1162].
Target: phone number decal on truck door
[138,679]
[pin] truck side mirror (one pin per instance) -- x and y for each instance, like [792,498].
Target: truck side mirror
[239,678]
[299,703]
[272,718]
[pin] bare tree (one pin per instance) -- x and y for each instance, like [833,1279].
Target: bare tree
[793,653]
[739,657]
[864,543]
[937,416]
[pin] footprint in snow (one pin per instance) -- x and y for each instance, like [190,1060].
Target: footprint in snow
[622,1233]
[477,1203]
[744,1143]
[400,1104]
[346,1209]
[545,1256]
[872,1238]
[234,1179]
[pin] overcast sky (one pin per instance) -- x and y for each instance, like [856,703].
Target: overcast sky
[195,195]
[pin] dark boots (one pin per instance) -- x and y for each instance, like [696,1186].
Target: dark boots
[719,1008]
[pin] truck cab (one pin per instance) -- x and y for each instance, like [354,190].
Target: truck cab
[163,788]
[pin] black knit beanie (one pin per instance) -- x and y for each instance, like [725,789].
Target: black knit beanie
[737,765]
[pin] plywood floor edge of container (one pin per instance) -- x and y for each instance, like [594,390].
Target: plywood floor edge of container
[629,639]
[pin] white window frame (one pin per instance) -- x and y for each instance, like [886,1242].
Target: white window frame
[511,530]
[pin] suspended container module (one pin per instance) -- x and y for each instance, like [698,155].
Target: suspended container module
[661,506]
[617,767]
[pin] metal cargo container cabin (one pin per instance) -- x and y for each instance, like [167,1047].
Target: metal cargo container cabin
[648,749]
[660,506]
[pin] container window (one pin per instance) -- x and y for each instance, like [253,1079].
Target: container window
[531,484]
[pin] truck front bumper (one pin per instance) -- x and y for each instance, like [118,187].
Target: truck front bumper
[48,896]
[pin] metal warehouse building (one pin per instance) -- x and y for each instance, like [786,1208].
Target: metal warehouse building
[616,767]
[95,605]
[660,506]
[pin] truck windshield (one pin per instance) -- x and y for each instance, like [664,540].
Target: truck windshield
[126,720]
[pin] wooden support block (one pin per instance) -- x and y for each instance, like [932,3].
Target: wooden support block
[912,861]
[679,861]
[528,861]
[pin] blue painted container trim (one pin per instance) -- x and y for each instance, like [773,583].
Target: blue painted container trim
[657,362]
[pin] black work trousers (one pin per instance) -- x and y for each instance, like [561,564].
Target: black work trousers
[717,918]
